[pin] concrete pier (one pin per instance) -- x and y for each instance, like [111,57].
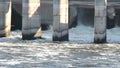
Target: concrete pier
[31,19]
[100,21]
[60,20]
[5,18]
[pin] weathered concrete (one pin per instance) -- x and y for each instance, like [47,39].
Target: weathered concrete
[5,17]
[31,21]
[47,13]
[100,21]
[60,20]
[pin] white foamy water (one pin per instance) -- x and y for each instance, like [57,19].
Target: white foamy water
[43,53]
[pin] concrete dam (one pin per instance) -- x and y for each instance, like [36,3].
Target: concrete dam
[33,16]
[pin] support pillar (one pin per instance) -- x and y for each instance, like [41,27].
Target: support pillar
[31,20]
[100,21]
[5,18]
[60,20]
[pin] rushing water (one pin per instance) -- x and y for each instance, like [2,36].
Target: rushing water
[43,53]
[64,55]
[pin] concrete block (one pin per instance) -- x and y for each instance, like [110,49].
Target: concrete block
[31,24]
[100,21]
[60,20]
[5,18]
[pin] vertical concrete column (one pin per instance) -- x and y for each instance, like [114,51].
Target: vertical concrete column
[100,21]
[31,20]
[60,20]
[5,18]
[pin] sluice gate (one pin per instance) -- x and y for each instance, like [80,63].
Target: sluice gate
[32,16]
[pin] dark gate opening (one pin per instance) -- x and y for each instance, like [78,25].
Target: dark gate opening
[84,32]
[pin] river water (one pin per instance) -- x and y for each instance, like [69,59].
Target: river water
[79,52]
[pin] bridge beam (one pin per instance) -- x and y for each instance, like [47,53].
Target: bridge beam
[100,21]
[5,18]
[31,19]
[60,20]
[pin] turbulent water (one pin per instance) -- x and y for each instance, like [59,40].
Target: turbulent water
[79,52]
